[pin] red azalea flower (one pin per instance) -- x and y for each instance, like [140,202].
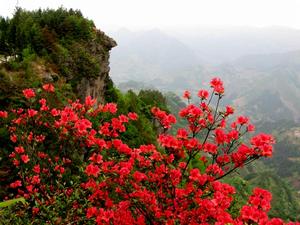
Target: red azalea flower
[92,170]
[89,101]
[132,116]
[16,184]
[203,94]
[35,210]
[29,93]
[49,87]
[25,158]
[217,84]
[92,211]
[19,150]
[187,95]
[3,114]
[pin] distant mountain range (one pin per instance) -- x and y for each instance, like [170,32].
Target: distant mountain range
[219,45]
[262,83]
[149,54]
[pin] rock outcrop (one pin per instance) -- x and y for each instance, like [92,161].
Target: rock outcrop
[97,86]
[54,45]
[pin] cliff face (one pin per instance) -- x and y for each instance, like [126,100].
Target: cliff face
[97,86]
[53,46]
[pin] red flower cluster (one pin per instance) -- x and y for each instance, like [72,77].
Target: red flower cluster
[29,93]
[217,84]
[3,114]
[49,87]
[203,94]
[187,95]
[151,184]
[166,120]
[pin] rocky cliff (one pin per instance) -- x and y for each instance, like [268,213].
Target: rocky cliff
[58,46]
[97,86]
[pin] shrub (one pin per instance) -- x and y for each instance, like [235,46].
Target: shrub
[72,166]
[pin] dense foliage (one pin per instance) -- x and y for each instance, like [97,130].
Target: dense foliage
[72,164]
[69,43]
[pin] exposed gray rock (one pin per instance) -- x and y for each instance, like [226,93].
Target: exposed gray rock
[96,87]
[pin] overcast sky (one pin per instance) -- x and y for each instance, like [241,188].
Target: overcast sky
[145,14]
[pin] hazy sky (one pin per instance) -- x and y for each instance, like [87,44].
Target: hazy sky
[133,14]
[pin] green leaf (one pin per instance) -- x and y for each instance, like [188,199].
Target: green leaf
[11,202]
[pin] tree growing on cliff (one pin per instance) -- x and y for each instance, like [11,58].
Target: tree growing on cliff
[69,43]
